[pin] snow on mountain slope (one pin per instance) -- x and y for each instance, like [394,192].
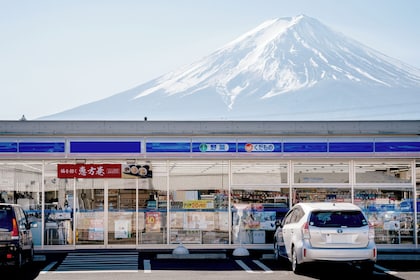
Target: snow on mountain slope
[285,69]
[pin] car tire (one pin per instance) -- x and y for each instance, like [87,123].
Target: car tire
[19,260]
[31,255]
[276,251]
[296,267]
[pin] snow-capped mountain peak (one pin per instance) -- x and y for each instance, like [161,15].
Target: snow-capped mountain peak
[289,54]
[285,68]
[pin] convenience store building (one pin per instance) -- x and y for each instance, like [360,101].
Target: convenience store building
[207,184]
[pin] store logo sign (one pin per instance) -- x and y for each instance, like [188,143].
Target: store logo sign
[214,147]
[259,147]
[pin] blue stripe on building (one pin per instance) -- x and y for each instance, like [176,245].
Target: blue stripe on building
[8,147]
[215,147]
[309,147]
[168,147]
[41,147]
[105,147]
[351,147]
[397,147]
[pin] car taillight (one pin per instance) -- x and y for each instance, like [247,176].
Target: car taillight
[15,230]
[371,231]
[305,231]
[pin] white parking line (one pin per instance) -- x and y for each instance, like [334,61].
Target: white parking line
[385,270]
[48,267]
[263,266]
[147,266]
[244,266]
[91,271]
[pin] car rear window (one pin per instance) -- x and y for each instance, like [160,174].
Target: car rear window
[5,217]
[337,219]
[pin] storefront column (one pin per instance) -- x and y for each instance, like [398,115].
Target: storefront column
[352,179]
[43,205]
[230,201]
[168,206]
[290,181]
[414,182]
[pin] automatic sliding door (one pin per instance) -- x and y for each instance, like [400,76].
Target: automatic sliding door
[90,223]
[122,211]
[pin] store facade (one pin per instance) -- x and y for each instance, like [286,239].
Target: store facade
[155,184]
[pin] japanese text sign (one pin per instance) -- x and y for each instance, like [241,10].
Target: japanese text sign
[89,171]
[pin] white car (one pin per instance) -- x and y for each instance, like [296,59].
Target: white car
[326,231]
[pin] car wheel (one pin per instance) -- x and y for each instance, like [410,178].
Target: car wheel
[295,264]
[31,255]
[19,260]
[276,252]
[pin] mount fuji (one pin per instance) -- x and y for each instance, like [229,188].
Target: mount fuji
[285,69]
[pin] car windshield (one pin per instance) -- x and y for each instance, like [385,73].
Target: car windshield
[337,219]
[5,218]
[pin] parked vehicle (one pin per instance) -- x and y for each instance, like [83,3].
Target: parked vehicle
[325,231]
[16,245]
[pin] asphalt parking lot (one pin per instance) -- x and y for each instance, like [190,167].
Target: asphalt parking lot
[111,264]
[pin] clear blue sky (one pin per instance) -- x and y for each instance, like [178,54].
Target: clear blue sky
[56,55]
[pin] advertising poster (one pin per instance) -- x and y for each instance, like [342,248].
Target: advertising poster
[199,220]
[136,171]
[122,229]
[259,220]
[153,221]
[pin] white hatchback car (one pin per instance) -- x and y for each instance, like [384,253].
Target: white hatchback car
[326,231]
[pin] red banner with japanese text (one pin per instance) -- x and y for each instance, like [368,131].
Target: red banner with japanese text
[89,171]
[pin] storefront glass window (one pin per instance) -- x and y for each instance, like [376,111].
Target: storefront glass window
[259,197]
[59,206]
[390,211]
[259,172]
[199,202]
[152,203]
[90,219]
[21,183]
[318,193]
[121,211]
[382,172]
[322,173]
[255,210]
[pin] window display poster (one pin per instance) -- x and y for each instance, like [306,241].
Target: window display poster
[96,234]
[96,229]
[153,221]
[223,221]
[200,220]
[177,220]
[259,220]
[122,228]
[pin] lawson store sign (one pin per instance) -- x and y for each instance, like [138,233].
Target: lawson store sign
[72,148]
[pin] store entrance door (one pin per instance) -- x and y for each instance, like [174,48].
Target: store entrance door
[89,214]
[122,215]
